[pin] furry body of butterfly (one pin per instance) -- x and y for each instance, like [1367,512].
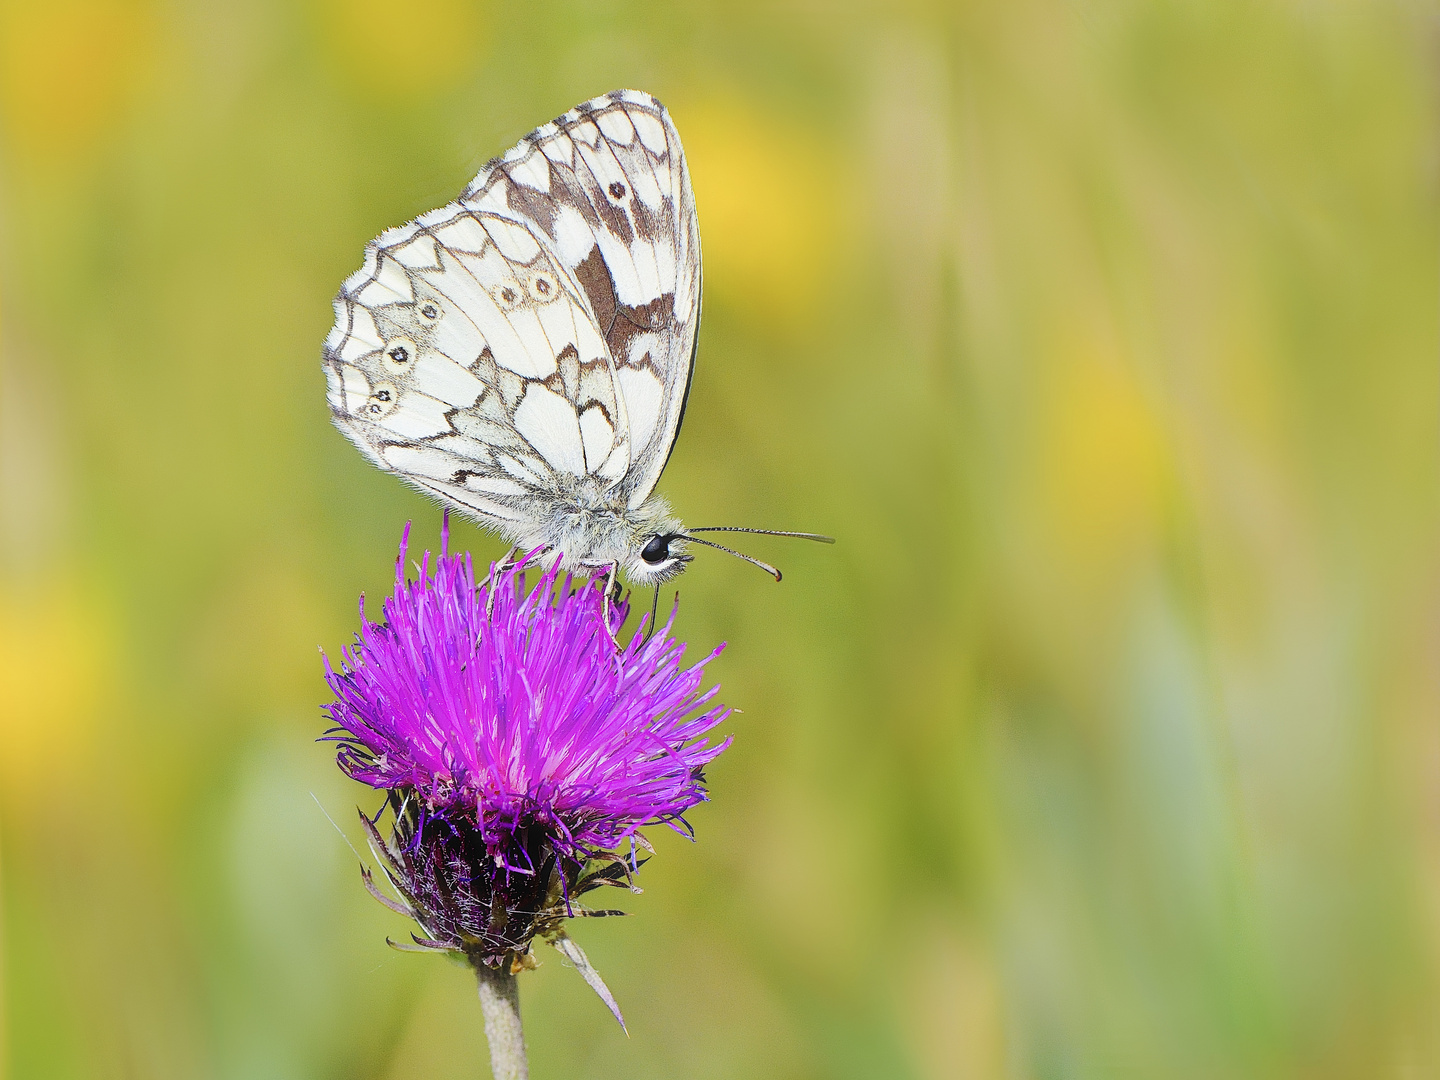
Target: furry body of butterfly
[604,534]
[524,353]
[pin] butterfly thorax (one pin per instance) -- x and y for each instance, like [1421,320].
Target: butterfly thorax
[595,530]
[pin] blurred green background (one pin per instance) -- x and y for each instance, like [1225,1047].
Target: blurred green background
[1103,334]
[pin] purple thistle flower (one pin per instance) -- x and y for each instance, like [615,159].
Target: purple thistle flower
[518,746]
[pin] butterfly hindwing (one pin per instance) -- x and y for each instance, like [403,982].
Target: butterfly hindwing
[538,330]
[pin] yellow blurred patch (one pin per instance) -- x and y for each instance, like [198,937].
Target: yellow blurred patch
[955,1007]
[402,51]
[769,203]
[56,675]
[1104,460]
[67,70]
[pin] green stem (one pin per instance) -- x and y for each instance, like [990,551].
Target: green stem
[500,1002]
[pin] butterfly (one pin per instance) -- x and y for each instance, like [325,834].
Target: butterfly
[524,353]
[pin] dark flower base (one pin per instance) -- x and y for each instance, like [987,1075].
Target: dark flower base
[487,906]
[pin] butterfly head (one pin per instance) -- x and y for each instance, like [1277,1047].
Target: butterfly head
[660,558]
[646,543]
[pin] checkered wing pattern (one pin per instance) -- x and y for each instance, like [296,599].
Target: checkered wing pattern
[538,332]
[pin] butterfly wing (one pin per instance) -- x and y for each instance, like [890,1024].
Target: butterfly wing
[537,331]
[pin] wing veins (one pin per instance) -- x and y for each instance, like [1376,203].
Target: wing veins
[634,195]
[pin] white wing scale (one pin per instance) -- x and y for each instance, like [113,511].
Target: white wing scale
[537,332]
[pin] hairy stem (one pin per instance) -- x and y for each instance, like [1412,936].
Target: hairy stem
[500,1001]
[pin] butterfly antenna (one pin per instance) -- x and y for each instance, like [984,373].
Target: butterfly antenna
[731,551]
[766,532]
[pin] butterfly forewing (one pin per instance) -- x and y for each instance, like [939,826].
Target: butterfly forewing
[536,331]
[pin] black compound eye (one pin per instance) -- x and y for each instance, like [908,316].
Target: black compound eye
[657,550]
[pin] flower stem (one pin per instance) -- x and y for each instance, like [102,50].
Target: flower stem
[500,1002]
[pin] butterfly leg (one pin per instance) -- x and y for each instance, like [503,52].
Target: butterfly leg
[506,564]
[500,566]
[495,571]
[612,601]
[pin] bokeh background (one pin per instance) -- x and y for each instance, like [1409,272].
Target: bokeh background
[1102,333]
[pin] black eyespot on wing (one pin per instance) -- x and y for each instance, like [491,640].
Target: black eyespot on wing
[399,355]
[542,287]
[382,399]
[617,189]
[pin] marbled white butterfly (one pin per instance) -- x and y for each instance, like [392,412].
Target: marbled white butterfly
[524,353]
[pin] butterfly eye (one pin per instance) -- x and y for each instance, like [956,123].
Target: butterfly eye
[508,297]
[399,355]
[430,311]
[542,287]
[381,401]
[657,550]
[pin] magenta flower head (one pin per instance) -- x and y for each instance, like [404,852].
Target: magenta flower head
[521,750]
